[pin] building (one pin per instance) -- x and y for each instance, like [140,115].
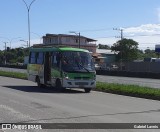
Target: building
[71,40]
[104,57]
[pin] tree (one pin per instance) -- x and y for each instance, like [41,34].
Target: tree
[14,55]
[140,55]
[1,57]
[101,46]
[20,59]
[150,53]
[127,49]
[10,56]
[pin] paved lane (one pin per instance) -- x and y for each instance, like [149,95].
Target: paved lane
[153,83]
[13,70]
[22,101]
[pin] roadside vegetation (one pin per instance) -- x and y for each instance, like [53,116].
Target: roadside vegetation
[13,74]
[121,89]
[129,90]
[13,56]
[127,50]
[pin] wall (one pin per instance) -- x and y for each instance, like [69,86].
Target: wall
[143,67]
[72,40]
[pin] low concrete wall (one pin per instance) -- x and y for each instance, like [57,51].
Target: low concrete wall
[15,66]
[153,67]
[129,74]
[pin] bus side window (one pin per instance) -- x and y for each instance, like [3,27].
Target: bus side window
[40,58]
[54,60]
[56,57]
[32,57]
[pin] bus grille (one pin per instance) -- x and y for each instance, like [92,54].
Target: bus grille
[81,83]
[81,78]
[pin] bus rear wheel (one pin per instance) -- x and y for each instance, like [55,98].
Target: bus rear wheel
[39,83]
[87,90]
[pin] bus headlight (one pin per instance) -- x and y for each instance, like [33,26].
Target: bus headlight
[65,75]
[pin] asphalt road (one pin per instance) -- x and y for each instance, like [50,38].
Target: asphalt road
[153,83]
[21,101]
[13,70]
[148,82]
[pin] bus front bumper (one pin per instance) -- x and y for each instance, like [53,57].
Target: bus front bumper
[79,83]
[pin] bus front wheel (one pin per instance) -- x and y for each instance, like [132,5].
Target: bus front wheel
[87,90]
[59,85]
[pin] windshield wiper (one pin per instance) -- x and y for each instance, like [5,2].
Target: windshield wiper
[82,66]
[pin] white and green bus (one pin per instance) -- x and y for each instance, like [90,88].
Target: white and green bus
[61,67]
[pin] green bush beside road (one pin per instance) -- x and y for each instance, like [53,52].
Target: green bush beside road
[129,90]
[13,74]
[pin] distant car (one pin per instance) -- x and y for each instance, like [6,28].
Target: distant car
[97,66]
[114,67]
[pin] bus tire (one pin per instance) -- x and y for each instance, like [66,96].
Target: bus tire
[38,82]
[87,90]
[59,85]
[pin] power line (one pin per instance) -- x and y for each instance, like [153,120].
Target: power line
[105,37]
[143,35]
[95,30]
[109,28]
[130,36]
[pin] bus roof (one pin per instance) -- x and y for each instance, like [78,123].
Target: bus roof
[72,49]
[45,49]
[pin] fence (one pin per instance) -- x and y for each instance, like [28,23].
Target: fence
[133,69]
[15,66]
[153,67]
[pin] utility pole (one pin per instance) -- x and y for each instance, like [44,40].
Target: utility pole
[10,40]
[121,31]
[28,10]
[5,52]
[79,36]
[79,39]
[25,42]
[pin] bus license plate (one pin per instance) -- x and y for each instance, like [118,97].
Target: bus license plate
[81,86]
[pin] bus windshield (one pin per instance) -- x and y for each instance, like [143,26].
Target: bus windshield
[77,61]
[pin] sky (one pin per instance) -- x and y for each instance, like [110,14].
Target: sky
[139,19]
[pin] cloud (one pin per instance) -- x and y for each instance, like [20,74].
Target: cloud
[143,29]
[158,13]
[144,41]
[147,35]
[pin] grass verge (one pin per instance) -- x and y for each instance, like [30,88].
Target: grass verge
[13,74]
[129,90]
[121,89]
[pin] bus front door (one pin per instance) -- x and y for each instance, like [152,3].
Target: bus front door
[47,68]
